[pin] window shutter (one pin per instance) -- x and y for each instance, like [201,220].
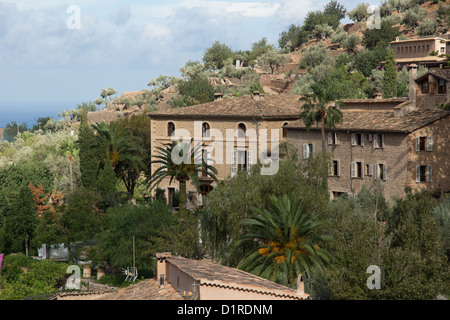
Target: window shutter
[382,141]
[417,144]
[362,139]
[429,173]
[430,144]
[338,168]
[370,170]
[249,160]
[376,171]
[305,151]
[335,138]
[330,138]
[353,139]
[384,172]
[233,163]
[370,137]
[417,174]
[375,141]
[353,169]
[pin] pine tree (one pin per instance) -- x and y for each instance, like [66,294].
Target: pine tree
[89,159]
[390,76]
[106,182]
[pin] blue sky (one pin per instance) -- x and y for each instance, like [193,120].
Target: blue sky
[46,67]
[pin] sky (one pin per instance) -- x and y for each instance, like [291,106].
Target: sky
[57,54]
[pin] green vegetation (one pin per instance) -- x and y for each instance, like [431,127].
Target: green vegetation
[69,181]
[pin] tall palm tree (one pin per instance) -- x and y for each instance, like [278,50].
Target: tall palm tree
[120,147]
[287,242]
[70,148]
[318,108]
[181,167]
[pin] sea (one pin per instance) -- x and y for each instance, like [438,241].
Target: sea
[29,112]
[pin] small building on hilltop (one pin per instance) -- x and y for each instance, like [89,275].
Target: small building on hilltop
[430,52]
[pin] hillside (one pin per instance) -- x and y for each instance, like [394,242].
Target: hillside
[344,44]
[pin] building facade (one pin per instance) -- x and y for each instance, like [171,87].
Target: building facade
[235,133]
[430,52]
[390,142]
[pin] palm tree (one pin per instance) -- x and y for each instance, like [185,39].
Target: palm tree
[120,147]
[319,109]
[287,242]
[69,148]
[181,167]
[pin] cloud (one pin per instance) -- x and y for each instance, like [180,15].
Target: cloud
[246,9]
[295,11]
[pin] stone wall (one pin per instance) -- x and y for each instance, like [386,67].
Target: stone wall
[393,155]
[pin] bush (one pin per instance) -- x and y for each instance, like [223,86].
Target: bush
[43,277]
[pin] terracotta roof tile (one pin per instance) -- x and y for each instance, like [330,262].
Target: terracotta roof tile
[269,106]
[213,274]
[383,120]
[144,290]
[443,73]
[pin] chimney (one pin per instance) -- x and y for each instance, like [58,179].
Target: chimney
[162,268]
[300,285]
[218,96]
[378,95]
[256,95]
[412,83]
[397,39]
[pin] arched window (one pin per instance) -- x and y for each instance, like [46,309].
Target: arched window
[241,130]
[205,130]
[285,130]
[170,129]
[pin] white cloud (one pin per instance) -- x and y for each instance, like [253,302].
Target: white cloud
[294,11]
[246,9]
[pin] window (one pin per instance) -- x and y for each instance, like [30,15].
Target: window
[381,171]
[357,139]
[332,138]
[170,129]
[369,170]
[334,168]
[308,149]
[442,88]
[206,157]
[424,88]
[378,140]
[337,194]
[241,130]
[241,160]
[285,130]
[205,130]
[357,169]
[424,143]
[423,173]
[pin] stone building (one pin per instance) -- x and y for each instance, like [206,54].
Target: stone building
[236,133]
[202,280]
[394,142]
[429,52]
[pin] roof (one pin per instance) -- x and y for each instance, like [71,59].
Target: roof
[383,121]
[144,290]
[212,274]
[442,73]
[419,39]
[266,106]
